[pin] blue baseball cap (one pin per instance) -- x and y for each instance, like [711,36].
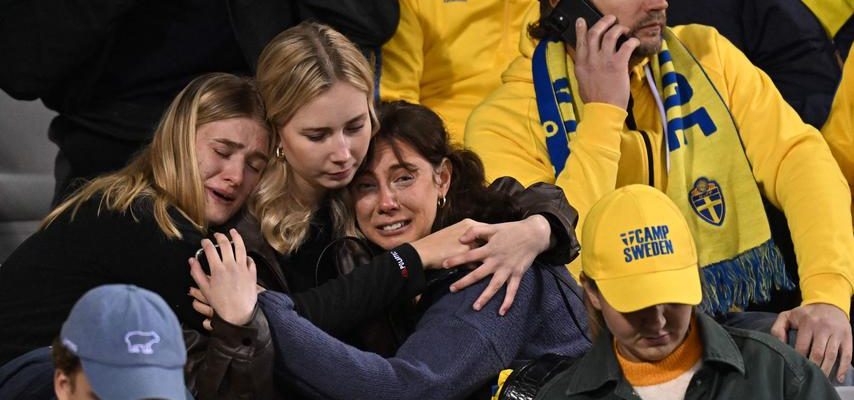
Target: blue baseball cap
[129,343]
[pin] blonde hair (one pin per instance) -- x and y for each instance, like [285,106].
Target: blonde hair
[298,65]
[167,170]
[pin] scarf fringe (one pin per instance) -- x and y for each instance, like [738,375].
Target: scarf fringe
[748,277]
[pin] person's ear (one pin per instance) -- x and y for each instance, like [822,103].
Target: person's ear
[592,293]
[443,176]
[63,385]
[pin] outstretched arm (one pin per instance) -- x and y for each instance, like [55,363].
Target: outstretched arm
[453,351]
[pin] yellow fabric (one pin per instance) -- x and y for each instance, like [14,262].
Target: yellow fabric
[708,172]
[685,356]
[449,55]
[832,14]
[839,128]
[640,251]
[502,377]
[790,161]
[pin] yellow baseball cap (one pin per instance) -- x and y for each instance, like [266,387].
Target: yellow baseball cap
[638,249]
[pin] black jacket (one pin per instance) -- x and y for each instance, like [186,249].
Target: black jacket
[111,67]
[783,38]
[43,278]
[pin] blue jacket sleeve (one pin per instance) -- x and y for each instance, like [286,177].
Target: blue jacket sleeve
[453,351]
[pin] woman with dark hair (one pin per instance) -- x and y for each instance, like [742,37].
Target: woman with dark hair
[414,183]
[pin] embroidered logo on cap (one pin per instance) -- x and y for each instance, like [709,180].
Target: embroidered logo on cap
[646,242]
[140,342]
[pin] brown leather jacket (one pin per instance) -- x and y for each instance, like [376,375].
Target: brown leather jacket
[234,362]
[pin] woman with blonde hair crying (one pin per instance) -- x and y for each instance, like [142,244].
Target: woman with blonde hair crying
[139,225]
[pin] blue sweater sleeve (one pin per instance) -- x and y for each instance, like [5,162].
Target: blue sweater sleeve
[453,351]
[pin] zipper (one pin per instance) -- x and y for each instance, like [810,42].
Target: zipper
[649,164]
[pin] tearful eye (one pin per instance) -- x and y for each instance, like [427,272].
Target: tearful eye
[365,186]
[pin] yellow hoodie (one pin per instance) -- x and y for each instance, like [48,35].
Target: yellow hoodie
[449,55]
[793,166]
[839,128]
[832,14]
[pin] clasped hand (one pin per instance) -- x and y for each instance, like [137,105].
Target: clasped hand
[505,251]
[231,289]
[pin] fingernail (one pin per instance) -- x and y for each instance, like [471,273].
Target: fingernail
[476,306]
[453,289]
[578,22]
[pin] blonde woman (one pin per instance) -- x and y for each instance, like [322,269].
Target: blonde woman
[139,225]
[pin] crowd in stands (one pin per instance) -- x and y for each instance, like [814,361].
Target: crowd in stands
[518,199]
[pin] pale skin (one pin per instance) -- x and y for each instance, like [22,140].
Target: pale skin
[649,334]
[824,330]
[234,272]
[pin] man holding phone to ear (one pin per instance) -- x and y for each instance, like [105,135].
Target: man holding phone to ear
[684,111]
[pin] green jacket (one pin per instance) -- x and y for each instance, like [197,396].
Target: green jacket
[737,364]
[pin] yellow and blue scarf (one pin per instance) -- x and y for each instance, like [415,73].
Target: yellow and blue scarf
[710,178]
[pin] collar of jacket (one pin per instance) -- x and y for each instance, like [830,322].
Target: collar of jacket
[599,367]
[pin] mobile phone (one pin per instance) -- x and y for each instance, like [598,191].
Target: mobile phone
[200,252]
[561,21]
[204,260]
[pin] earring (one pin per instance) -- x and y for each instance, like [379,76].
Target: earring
[280,153]
[441,202]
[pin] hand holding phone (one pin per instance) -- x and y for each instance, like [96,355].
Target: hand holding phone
[200,255]
[231,287]
[601,70]
[561,21]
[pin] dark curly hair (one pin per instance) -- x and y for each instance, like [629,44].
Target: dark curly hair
[423,130]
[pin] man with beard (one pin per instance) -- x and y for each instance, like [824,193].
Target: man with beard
[684,111]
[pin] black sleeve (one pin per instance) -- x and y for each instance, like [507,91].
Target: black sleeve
[550,202]
[368,23]
[42,42]
[133,249]
[342,303]
[781,37]
[785,40]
